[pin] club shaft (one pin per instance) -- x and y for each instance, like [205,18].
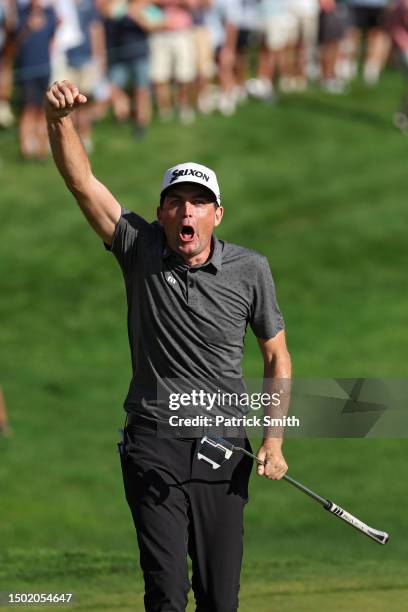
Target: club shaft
[379,536]
[295,483]
[322,500]
[254,457]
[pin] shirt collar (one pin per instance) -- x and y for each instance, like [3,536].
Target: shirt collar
[215,260]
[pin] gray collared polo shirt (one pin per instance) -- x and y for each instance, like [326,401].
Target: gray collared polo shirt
[188,322]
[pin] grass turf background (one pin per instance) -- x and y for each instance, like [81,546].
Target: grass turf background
[319,185]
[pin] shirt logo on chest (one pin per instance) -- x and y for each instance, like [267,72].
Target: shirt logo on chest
[170,279]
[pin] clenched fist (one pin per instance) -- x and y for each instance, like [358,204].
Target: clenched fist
[273,464]
[62,98]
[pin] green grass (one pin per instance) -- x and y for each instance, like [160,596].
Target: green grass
[110,582]
[319,185]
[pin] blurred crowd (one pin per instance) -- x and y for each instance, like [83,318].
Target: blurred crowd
[167,58]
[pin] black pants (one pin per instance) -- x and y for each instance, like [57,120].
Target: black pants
[181,506]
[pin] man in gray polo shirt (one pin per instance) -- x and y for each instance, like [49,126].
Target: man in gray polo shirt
[190,299]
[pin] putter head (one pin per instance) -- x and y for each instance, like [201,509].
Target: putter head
[214,450]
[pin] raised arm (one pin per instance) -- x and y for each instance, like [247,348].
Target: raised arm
[99,206]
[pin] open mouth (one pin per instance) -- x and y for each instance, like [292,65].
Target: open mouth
[187,233]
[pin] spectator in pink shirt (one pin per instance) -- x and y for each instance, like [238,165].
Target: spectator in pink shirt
[173,58]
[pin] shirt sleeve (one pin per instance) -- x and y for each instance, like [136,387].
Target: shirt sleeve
[125,238]
[266,318]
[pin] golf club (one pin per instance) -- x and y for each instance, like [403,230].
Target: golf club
[216,451]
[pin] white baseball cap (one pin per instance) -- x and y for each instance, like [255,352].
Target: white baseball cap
[191,172]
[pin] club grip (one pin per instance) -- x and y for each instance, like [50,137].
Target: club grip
[379,536]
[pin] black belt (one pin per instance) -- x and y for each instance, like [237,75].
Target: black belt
[165,430]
